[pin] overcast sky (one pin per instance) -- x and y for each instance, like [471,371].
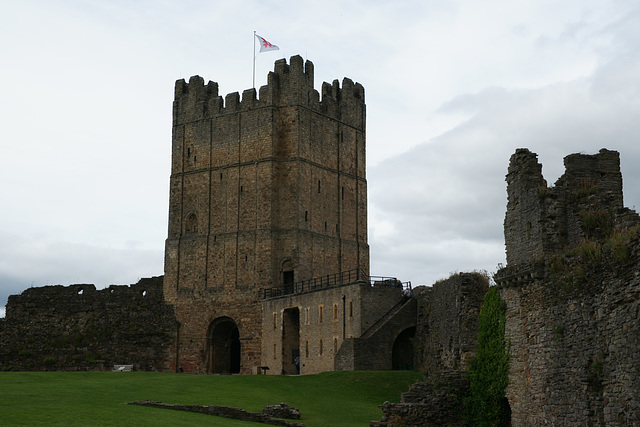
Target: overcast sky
[452,89]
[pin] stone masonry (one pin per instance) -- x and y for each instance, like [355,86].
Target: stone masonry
[69,328]
[265,191]
[322,321]
[542,220]
[445,341]
[447,331]
[572,291]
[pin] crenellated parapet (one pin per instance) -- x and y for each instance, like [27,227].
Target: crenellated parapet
[287,85]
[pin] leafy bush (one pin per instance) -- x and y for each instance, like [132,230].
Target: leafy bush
[488,371]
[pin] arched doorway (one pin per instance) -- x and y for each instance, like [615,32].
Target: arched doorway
[402,353]
[223,350]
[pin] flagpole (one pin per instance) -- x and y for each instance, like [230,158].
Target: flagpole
[254,60]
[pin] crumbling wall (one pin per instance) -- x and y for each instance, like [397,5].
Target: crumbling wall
[572,291]
[445,341]
[77,327]
[447,325]
[574,341]
[439,401]
[585,202]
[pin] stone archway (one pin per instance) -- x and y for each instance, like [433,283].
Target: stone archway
[223,347]
[402,353]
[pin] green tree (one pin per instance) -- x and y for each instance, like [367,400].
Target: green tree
[488,371]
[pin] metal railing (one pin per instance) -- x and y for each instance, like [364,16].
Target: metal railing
[333,280]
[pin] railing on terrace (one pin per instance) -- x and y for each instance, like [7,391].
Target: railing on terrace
[333,280]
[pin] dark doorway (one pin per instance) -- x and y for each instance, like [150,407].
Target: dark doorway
[287,277]
[402,354]
[223,347]
[290,340]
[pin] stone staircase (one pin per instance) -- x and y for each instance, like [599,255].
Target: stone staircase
[372,351]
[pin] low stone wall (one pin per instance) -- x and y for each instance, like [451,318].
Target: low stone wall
[268,416]
[68,328]
[439,401]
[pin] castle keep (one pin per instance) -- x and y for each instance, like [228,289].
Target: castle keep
[265,191]
[266,258]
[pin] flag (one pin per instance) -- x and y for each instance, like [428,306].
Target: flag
[265,46]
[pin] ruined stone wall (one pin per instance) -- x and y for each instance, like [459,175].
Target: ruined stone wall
[438,401]
[263,190]
[572,291]
[574,342]
[585,202]
[445,341]
[77,327]
[447,325]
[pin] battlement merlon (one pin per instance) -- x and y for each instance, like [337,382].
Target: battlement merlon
[525,168]
[289,84]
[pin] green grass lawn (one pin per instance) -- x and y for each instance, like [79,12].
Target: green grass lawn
[99,398]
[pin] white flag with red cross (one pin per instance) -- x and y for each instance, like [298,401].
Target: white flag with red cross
[265,46]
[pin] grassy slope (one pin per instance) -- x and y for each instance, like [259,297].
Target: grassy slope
[98,398]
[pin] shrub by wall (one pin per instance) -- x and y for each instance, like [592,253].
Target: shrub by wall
[489,370]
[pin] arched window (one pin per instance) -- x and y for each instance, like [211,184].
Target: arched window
[191,223]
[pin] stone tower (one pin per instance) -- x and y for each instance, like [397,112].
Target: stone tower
[585,203]
[265,190]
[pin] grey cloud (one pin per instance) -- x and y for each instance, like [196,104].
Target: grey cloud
[37,260]
[446,198]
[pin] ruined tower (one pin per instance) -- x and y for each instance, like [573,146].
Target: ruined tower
[585,202]
[265,190]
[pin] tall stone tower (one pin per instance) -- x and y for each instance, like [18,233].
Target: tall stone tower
[264,191]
